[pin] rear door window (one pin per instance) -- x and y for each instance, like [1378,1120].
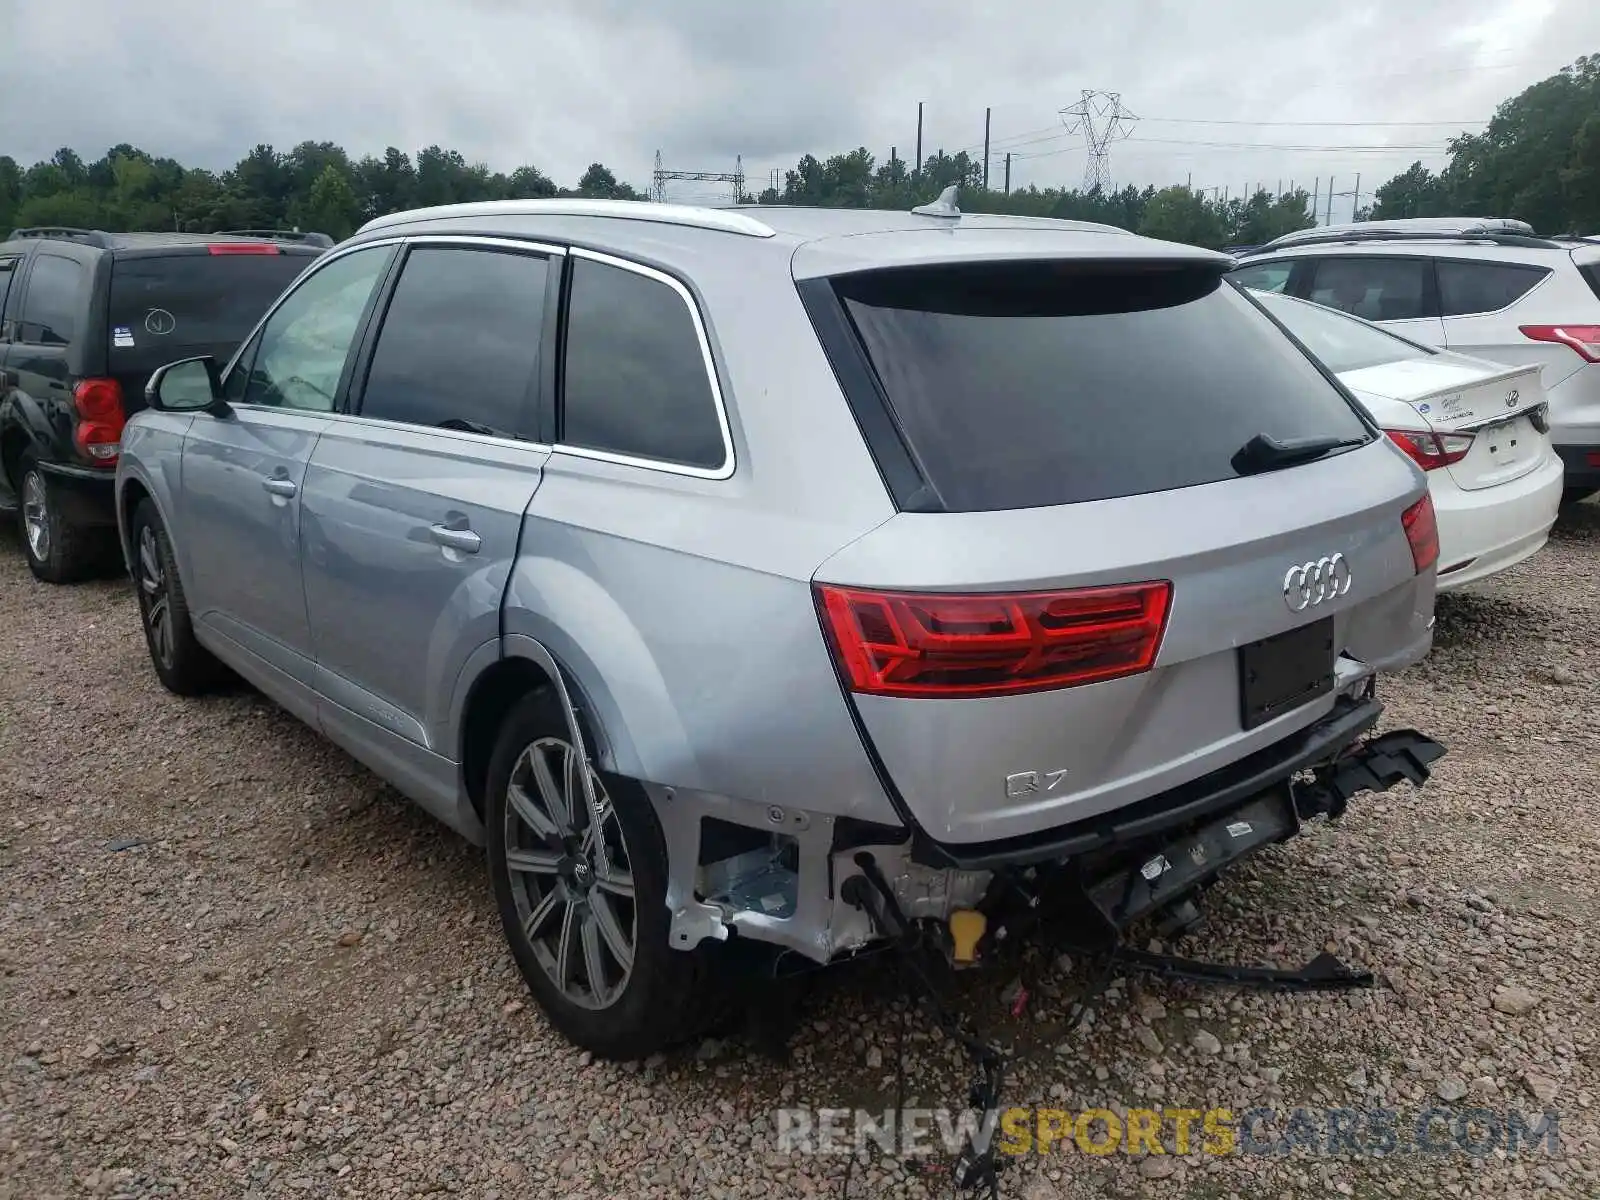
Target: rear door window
[184,304]
[50,302]
[637,382]
[8,272]
[1018,386]
[1483,287]
[459,347]
[1375,289]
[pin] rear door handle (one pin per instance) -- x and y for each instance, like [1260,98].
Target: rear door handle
[279,486]
[463,540]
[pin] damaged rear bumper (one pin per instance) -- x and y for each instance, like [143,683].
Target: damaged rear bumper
[1130,862]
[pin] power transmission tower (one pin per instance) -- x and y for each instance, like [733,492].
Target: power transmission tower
[658,182]
[1102,119]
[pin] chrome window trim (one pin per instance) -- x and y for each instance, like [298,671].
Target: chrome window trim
[462,435]
[729,462]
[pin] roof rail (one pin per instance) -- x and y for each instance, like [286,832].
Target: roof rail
[280,235]
[1503,230]
[634,210]
[89,237]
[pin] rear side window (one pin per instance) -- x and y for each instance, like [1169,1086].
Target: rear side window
[1591,275]
[50,303]
[1265,277]
[459,346]
[179,305]
[1483,287]
[636,381]
[1376,289]
[8,271]
[1341,343]
[1057,383]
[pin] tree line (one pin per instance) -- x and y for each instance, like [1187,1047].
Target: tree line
[1538,159]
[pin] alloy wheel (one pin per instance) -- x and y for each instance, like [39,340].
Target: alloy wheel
[36,515]
[154,599]
[571,875]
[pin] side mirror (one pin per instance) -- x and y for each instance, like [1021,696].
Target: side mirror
[189,385]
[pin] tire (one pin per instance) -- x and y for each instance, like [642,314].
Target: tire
[1576,495]
[57,550]
[664,996]
[184,666]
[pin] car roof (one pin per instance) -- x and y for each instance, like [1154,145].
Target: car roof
[834,240]
[1415,233]
[100,239]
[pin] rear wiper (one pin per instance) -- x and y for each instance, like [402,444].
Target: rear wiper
[1266,453]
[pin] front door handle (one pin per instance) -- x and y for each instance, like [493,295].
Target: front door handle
[464,540]
[279,486]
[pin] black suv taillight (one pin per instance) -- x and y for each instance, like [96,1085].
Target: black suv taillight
[100,420]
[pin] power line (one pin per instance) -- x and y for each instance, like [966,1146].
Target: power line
[1317,124]
[1358,148]
[1251,146]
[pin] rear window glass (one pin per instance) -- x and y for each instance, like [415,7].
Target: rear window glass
[1483,287]
[1339,342]
[1057,383]
[162,308]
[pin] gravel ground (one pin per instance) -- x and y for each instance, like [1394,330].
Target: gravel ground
[233,963]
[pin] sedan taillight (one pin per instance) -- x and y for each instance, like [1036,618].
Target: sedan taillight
[941,645]
[1430,451]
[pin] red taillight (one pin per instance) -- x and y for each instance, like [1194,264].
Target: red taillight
[1430,451]
[1422,531]
[1585,339]
[100,420]
[243,248]
[939,645]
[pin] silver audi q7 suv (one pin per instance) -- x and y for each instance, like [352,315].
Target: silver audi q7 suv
[787,579]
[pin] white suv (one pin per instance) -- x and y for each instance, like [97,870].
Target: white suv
[1486,287]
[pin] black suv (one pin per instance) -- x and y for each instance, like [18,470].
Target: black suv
[85,317]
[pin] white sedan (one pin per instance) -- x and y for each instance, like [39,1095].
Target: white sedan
[1480,430]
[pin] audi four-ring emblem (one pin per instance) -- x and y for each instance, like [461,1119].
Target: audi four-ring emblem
[1309,584]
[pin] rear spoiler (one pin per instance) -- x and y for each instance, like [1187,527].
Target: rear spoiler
[307,238]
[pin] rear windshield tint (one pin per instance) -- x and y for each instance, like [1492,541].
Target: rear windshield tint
[166,307]
[1341,343]
[1020,386]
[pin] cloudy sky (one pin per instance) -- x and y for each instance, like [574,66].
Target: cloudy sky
[1229,93]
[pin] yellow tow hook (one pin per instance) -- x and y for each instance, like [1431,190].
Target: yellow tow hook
[966,930]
